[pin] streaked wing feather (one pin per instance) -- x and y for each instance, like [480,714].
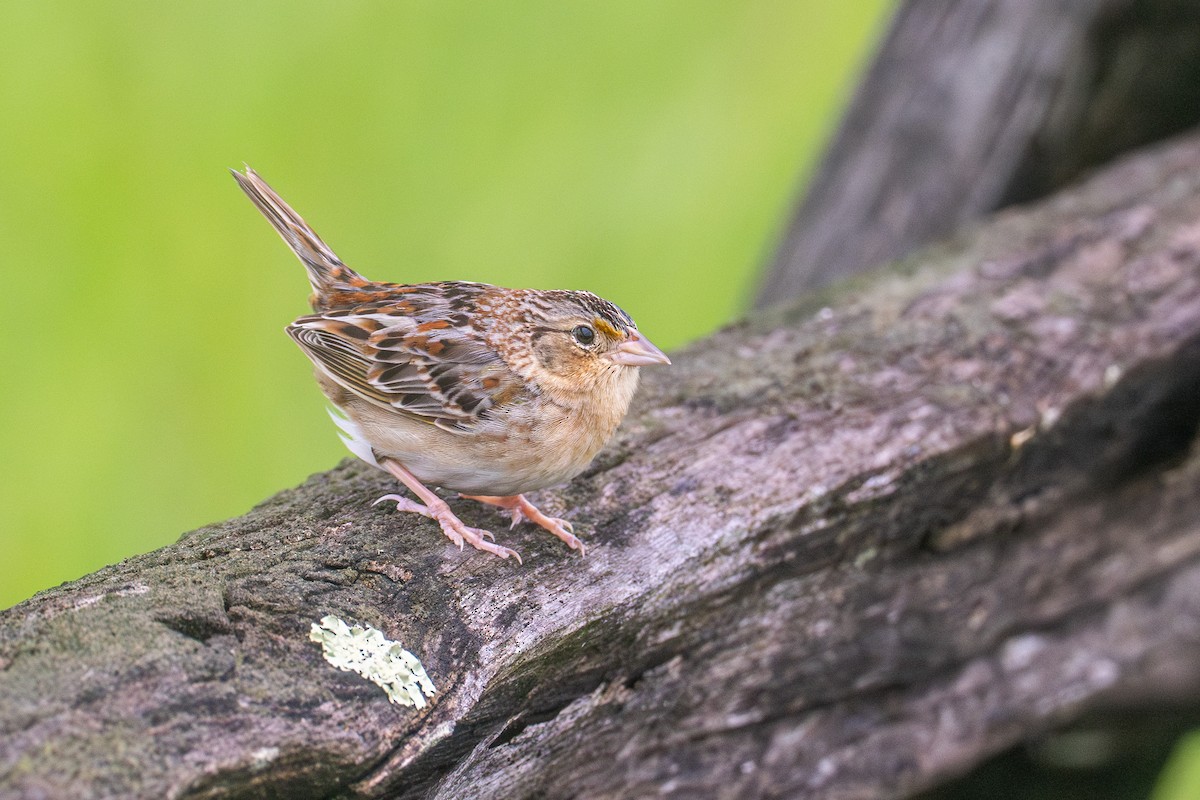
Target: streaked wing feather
[426,367]
[339,358]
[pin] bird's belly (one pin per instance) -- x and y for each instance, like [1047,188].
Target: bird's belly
[481,480]
[482,466]
[509,460]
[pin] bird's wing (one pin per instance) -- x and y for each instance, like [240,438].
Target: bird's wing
[427,367]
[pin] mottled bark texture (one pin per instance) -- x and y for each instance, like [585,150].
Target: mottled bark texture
[971,105]
[845,550]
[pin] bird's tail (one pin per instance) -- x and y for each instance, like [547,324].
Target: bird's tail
[326,272]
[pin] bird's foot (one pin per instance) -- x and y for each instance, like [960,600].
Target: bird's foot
[522,509]
[455,529]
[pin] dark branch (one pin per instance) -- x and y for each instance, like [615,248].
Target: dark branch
[971,106]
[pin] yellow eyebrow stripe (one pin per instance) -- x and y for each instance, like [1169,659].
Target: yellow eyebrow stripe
[605,328]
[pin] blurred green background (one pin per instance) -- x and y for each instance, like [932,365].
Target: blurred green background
[647,151]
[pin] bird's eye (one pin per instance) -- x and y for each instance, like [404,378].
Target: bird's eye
[583,334]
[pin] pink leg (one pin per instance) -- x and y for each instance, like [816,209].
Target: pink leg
[436,509]
[523,509]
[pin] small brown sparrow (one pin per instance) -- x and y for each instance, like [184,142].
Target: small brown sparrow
[487,391]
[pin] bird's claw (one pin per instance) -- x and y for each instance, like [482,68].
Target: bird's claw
[404,504]
[455,529]
[521,509]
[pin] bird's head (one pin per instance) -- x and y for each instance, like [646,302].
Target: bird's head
[581,341]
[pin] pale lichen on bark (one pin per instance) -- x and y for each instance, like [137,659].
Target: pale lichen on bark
[353,648]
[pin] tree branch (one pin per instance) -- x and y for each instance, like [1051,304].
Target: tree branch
[971,106]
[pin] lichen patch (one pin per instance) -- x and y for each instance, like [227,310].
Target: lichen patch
[375,657]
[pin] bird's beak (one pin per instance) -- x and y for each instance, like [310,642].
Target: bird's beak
[637,351]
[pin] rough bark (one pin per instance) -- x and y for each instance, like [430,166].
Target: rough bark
[970,106]
[842,551]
